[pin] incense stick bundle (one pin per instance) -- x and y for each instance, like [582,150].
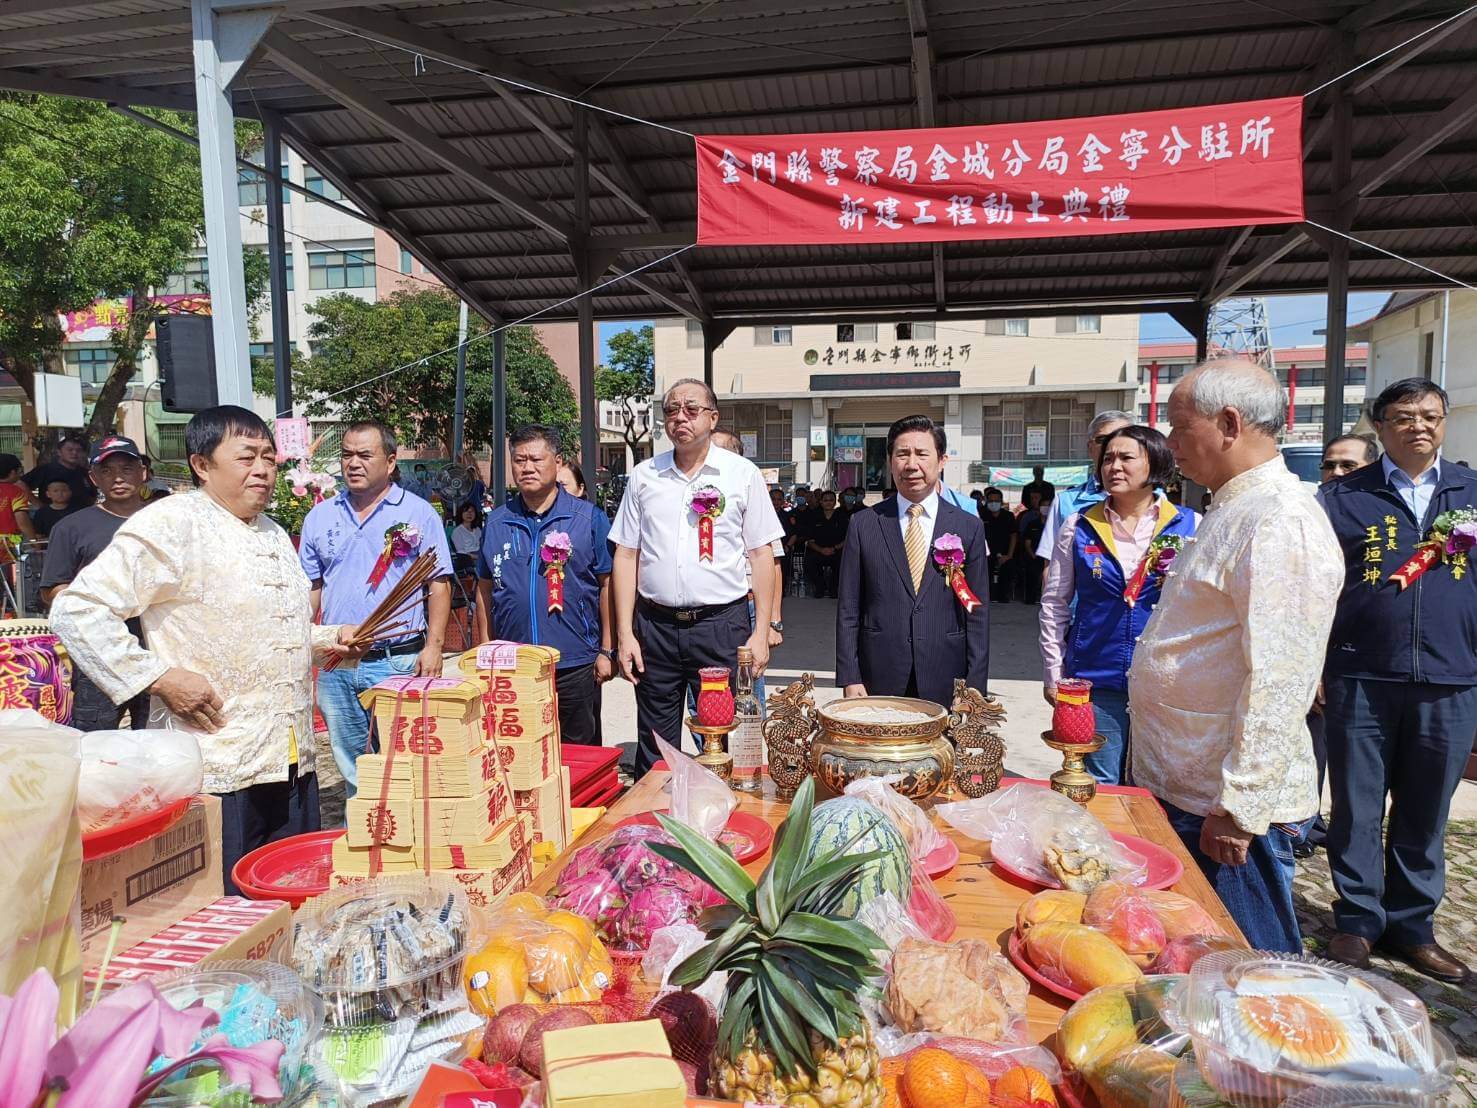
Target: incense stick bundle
[404,596]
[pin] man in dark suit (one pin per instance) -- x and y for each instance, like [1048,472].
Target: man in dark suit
[900,630]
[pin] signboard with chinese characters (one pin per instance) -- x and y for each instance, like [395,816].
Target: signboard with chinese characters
[849,447]
[293,437]
[1217,165]
[1036,440]
[845,382]
[915,354]
[98,321]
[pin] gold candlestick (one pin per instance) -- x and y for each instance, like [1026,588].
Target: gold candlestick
[715,739]
[1072,780]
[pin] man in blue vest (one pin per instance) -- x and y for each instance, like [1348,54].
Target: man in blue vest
[1400,687]
[543,577]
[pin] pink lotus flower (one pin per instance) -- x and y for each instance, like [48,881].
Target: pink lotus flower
[556,547]
[948,550]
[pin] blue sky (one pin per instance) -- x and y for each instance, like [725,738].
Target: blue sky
[1293,320]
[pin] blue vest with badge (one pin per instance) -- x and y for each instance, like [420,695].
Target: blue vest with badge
[511,542]
[1104,627]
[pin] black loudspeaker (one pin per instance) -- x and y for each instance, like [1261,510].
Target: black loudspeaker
[186,351]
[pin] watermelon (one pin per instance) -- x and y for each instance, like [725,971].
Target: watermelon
[837,822]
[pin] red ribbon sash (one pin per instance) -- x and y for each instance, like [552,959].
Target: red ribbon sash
[1138,581]
[556,587]
[381,567]
[962,592]
[1426,556]
[705,538]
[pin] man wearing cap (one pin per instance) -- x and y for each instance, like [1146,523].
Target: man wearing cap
[118,471]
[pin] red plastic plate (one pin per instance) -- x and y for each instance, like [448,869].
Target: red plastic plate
[1017,951]
[1164,867]
[131,831]
[746,834]
[291,869]
[942,859]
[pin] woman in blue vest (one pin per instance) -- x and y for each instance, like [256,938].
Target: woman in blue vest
[1103,580]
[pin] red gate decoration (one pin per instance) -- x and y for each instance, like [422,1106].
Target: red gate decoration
[1219,165]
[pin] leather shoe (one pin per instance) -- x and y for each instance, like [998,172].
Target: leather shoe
[1431,959]
[1351,950]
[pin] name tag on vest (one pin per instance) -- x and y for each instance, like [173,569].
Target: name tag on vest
[1092,548]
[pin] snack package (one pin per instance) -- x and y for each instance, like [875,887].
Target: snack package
[1127,917]
[40,855]
[1078,957]
[1121,1042]
[700,799]
[628,891]
[885,915]
[126,774]
[929,910]
[1046,837]
[965,989]
[536,955]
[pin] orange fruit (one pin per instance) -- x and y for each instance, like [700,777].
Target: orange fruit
[935,1079]
[1027,1086]
[973,1098]
[977,1080]
[892,1097]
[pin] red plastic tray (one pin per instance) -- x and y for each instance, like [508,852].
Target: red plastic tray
[587,763]
[751,835]
[604,798]
[291,869]
[1017,951]
[941,860]
[131,831]
[1164,867]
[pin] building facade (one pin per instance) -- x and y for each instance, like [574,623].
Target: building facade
[812,402]
[1301,370]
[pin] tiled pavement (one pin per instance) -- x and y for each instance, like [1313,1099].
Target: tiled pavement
[1453,1009]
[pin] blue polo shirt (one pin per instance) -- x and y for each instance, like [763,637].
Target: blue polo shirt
[341,551]
[512,538]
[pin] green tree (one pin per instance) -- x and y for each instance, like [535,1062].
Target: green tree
[91,205]
[355,341]
[627,380]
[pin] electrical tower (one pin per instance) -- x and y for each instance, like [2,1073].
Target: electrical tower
[1238,329]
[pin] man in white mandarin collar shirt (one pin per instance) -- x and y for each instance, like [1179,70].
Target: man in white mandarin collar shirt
[690,518]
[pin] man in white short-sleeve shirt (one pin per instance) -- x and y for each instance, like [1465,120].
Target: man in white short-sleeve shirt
[691,518]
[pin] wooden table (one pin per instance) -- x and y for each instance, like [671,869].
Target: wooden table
[984,900]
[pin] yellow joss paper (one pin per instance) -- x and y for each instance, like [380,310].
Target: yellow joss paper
[612,1065]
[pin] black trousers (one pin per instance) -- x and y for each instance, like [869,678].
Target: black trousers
[579,705]
[94,710]
[822,573]
[672,653]
[262,814]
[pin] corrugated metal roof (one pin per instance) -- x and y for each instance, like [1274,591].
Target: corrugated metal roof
[794,65]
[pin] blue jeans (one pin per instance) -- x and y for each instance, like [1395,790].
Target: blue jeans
[1108,766]
[349,724]
[1258,893]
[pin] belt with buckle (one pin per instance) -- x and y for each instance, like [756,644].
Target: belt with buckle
[413,645]
[687,615]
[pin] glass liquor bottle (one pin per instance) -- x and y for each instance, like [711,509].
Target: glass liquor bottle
[746,744]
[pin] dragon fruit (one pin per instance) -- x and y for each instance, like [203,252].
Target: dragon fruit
[650,909]
[596,895]
[584,860]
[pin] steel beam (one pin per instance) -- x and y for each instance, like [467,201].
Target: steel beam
[277,263]
[91,90]
[1391,62]
[1267,257]
[1377,12]
[584,267]
[1443,125]
[927,109]
[1337,314]
[315,71]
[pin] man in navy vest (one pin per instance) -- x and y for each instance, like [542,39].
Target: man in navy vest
[1401,682]
[522,541]
[900,631]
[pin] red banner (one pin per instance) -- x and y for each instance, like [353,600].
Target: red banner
[1221,165]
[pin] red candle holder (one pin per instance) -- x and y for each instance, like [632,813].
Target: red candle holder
[714,697]
[1072,720]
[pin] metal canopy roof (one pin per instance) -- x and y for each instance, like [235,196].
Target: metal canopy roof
[477,177]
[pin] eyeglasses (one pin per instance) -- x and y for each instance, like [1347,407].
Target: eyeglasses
[1405,421]
[691,411]
[1339,464]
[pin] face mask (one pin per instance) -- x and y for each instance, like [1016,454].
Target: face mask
[993,506]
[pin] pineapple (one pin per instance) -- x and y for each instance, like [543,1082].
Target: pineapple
[791,1031]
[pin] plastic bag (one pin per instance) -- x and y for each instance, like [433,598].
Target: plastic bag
[1127,916]
[1046,837]
[669,946]
[966,989]
[535,954]
[921,835]
[126,774]
[884,915]
[1121,1042]
[994,1060]
[700,799]
[628,891]
[40,855]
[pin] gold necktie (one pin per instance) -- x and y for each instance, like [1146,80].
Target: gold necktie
[915,547]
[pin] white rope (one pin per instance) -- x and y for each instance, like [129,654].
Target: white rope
[502,80]
[1383,53]
[1392,254]
[494,330]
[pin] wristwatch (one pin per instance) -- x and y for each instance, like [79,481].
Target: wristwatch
[777,625]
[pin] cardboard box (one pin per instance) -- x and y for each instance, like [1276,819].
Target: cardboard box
[154,883]
[233,928]
[612,1065]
